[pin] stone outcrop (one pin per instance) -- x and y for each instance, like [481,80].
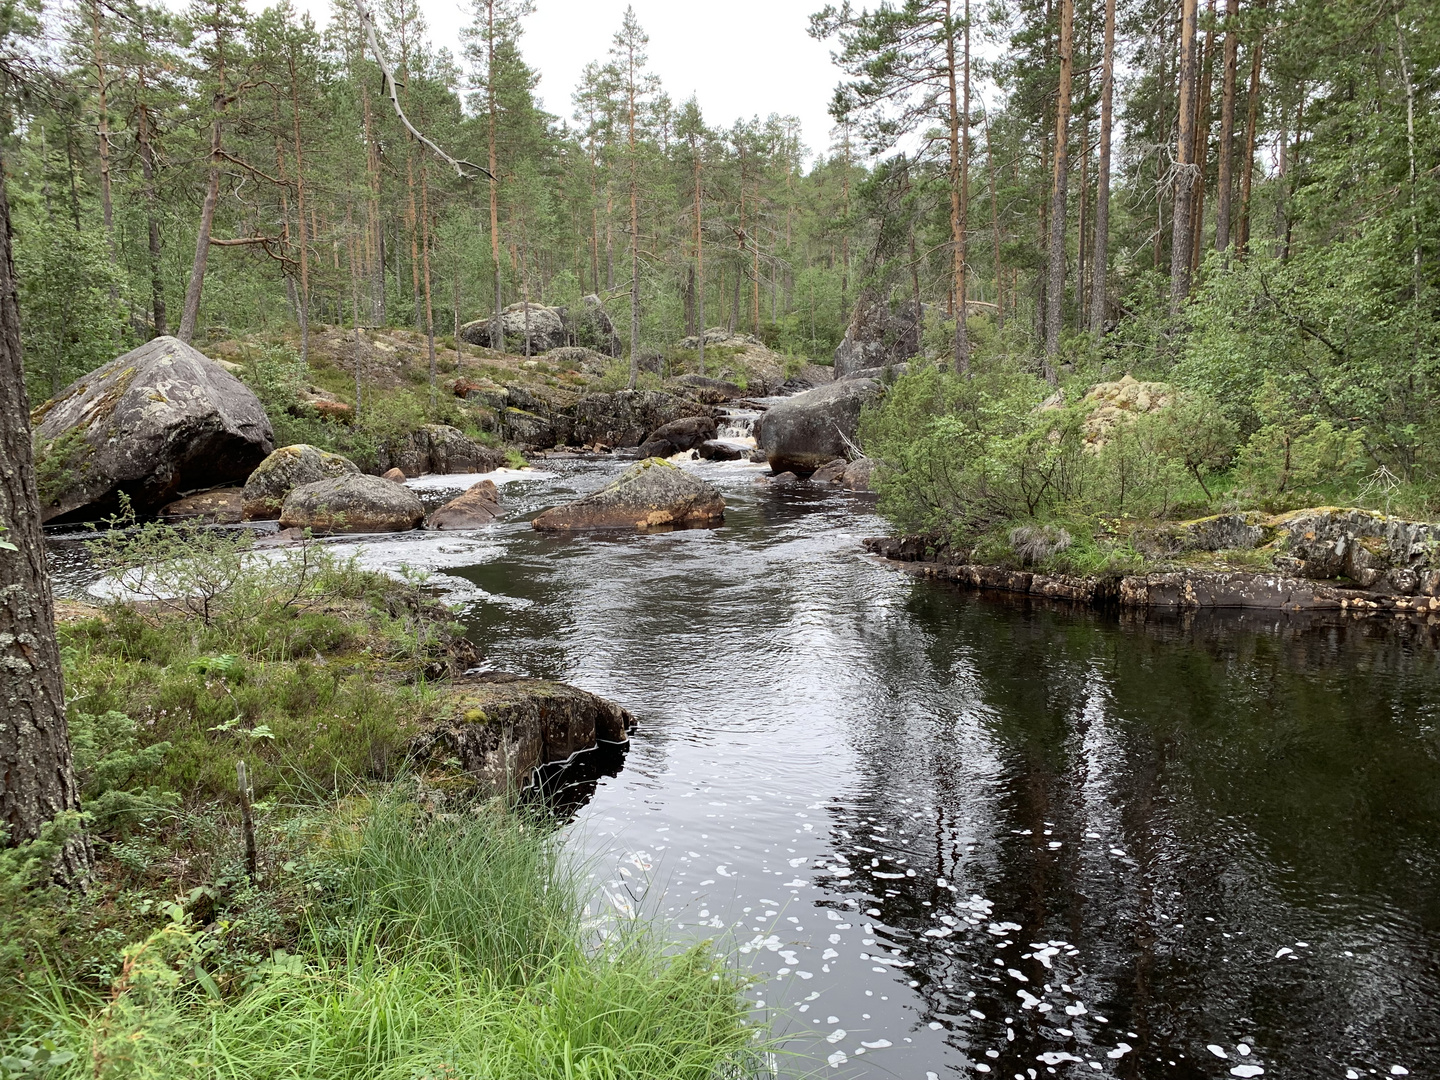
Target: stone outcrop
[352,504]
[703,389]
[223,506]
[808,378]
[879,334]
[804,432]
[158,421]
[285,470]
[545,325]
[480,505]
[438,448]
[625,417]
[1373,550]
[686,433]
[501,729]
[585,326]
[742,359]
[652,495]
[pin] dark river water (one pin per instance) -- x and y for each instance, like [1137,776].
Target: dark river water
[954,835]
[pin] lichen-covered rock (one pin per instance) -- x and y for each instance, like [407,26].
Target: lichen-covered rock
[1220,532]
[223,506]
[546,327]
[501,732]
[625,417]
[653,495]
[285,470]
[1372,549]
[479,505]
[352,504]
[439,448]
[1113,403]
[157,421]
[879,334]
[589,326]
[804,432]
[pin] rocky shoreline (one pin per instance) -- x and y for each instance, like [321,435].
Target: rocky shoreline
[1170,590]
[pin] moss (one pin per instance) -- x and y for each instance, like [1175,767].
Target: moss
[61,466]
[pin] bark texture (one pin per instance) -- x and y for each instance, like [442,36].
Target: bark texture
[37,781]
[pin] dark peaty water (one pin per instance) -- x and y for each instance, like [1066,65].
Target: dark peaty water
[958,836]
[964,836]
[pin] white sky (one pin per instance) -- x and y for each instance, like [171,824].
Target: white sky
[740,57]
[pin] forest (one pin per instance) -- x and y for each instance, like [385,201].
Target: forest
[1104,273]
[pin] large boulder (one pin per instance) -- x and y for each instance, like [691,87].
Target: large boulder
[500,729]
[651,495]
[158,421]
[285,470]
[880,334]
[588,326]
[480,505]
[684,434]
[1120,402]
[352,504]
[438,448]
[804,432]
[625,417]
[545,326]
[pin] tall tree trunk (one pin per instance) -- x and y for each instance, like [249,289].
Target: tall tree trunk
[1225,181]
[152,217]
[107,213]
[375,232]
[961,344]
[845,227]
[37,779]
[425,271]
[497,334]
[1247,171]
[1055,279]
[1100,258]
[634,236]
[995,225]
[300,209]
[190,314]
[699,260]
[1185,164]
[1202,142]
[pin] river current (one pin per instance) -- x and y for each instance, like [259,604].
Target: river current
[955,835]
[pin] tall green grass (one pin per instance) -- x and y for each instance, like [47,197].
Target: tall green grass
[449,948]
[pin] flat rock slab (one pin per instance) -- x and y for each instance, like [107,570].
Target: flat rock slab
[157,421]
[352,504]
[652,495]
[501,732]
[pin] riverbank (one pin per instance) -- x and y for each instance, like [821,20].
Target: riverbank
[1322,543]
[379,872]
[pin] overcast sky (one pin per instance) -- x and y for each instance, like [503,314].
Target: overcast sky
[740,57]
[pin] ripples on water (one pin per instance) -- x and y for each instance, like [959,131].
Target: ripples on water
[958,835]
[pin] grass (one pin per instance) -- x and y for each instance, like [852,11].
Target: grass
[450,947]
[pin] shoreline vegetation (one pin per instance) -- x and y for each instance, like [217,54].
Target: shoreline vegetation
[402,916]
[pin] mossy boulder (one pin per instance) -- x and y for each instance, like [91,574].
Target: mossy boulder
[352,504]
[439,448]
[652,495]
[160,420]
[500,729]
[286,469]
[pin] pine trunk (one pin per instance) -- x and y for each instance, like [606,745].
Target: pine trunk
[1225,181]
[1100,257]
[37,779]
[1055,278]
[1185,164]
[1247,172]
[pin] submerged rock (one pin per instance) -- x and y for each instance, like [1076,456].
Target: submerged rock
[715,450]
[480,505]
[223,506]
[285,470]
[502,729]
[157,421]
[352,504]
[802,433]
[651,495]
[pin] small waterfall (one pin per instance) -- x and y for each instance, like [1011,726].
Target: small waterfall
[737,424]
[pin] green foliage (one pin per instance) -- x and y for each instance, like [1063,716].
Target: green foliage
[112,766]
[60,466]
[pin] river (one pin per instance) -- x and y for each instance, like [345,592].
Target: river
[953,835]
